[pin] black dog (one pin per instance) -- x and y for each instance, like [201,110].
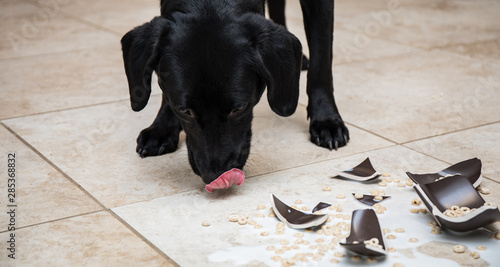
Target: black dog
[214,59]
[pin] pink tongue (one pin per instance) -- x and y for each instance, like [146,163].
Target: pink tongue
[226,180]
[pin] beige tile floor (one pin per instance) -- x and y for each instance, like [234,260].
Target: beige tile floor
[418,83]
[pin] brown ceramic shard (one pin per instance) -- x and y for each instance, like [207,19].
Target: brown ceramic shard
[370,199]
[365,226]
[294,218]
[470,168]
[457,191]
[363,172]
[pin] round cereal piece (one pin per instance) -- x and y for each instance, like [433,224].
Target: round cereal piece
[432,223]
[397,264]
[346,217]
[374,192]
[334,260]
[356,258]
[242,221]
[305,208]
[320,240]
[388,180]
[332,207]
[401,185]
[279,250]
[205,223]
[399,230]
[316,258]
[264,233]
[396,180]
[327,188]
[386,174]
[318,212]
[270,248]
[374,240]
[340,196]
[416,202]
[279,232]
[413,240]
[280,225]
[287,247]
[298,201]
[339,207]
[257,226]
[450,213]
[423,211]
[379,211]
[338,215]
[409,183]
[414,211]
[261,207]
[234,218]
[305,242]
[386,230]
[358,196]
[295,246]
[260,215]
[378,198]
[338,254]
[382,183]
[459,249]
[357,242]
[484,190]
[284,242]
[435,231]
[313,247]
[298,234]
[251,222]
[276,258]
[391,249]
[391,237]
[371,260]
[475,255]
[299,241]
[481,248]
[454,208]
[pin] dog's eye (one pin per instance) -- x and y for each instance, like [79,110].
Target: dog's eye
[238,109]
[186,111]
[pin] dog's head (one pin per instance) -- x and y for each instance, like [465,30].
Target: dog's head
[212,73]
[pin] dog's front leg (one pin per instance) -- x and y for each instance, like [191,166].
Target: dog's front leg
[327,128]
[162,136]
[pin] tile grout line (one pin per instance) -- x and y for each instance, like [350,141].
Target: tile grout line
[53,165]
[55,220]
[451,132]
[144,239]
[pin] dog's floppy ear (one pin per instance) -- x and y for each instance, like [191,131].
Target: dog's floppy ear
[140,57]
[280,54]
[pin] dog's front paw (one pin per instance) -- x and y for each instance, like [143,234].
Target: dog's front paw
[154,141]
[330,133]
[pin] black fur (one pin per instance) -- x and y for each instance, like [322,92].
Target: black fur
[214,59]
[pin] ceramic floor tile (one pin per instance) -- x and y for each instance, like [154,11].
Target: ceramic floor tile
[96,147]
[165,221]
[117,16]
[96,239]
[417,95]
[424,24]
[32,30]
[38,84]
[42,193]
[488,49]
[480,142]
